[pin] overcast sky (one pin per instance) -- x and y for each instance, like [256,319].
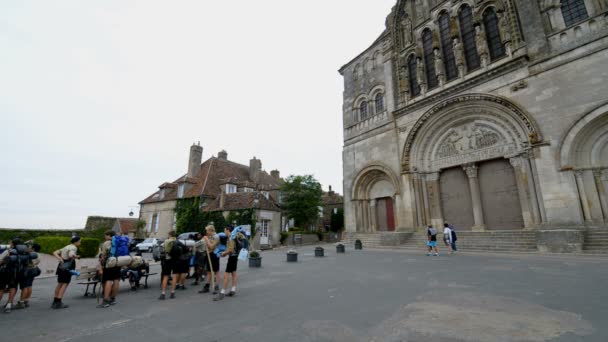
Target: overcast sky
[101,100]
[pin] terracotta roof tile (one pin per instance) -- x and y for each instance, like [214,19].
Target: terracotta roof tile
[242,200]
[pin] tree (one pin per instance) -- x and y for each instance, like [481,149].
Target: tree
[139,229]
[302,199]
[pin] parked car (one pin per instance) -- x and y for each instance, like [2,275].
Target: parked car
[148,244]
[133,244]
[186,236]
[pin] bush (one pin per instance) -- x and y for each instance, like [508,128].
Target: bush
[88,246]
[254,254]
[284,236]
[295,230]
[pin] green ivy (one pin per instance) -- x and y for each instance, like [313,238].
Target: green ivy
[190,217]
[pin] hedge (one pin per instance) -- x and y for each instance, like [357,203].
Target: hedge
[6,235]
[89,247]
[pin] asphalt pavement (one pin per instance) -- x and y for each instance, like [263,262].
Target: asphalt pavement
[367,295]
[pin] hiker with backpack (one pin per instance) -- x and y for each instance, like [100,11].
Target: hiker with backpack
[454,237]
[9,269]
[168,266]
[114,247]
[67,263]
[26,280]
[182,254]
[447,237]
[199,258]
[212,261]
[236,242]
[431,233]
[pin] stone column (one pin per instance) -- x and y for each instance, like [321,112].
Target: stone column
[601,192]
[435,199]
[471,171]
[359,216]
[425,201]
[521,179]
[532,188]
[373,214]
[419,201]
[580,184]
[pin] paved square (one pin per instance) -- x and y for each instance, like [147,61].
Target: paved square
[364,295]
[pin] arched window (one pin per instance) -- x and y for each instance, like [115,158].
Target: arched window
[411,66]
[468,37]
[490,22]
[574,11]
[429,58]
[363,111]
[449,60]
[379,103]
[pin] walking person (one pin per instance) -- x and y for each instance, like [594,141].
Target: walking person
[110,276]
[168,267]
[212,261]
[234,239]
[67,262]
[9,270]
[27,279]
[432,240]
[447,237]
[454,237]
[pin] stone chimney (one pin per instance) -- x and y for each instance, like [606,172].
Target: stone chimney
[331,192]
[222,155]
[275,174]
[196,156]
[255,167]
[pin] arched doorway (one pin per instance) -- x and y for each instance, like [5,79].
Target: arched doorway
[375,197]
[470,156]
[584,153]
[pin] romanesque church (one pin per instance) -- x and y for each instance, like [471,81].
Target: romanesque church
[491,115]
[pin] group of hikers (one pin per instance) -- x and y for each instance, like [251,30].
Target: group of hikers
[449,239]
[201,252]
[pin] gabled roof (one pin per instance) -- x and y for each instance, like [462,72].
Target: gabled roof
[126,225]
[332,198]
[213,173]
[242,200]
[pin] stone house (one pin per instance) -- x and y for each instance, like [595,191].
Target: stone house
[489,114]
[125,226]
[212,180]
[332,201]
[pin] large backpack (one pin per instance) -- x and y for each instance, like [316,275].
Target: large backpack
[158,252]
[240,243]
[179,251]
[120,246]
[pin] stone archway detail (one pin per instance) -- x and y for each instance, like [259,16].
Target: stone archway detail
[376,187]
[489,124]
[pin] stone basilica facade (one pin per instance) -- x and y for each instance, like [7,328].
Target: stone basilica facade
[488,114]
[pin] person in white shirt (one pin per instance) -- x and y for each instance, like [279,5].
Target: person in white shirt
[447,237]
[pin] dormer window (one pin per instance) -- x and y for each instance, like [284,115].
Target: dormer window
[162,194]
[247,189]
[231,188]
[266,194]
[180,190]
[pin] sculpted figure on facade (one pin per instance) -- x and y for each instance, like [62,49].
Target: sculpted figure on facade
[407,33]
[505,31]
[482,45]
[421,74]
[404,85]
[459,56]
[439,67]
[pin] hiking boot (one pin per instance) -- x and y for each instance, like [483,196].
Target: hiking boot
[104,304]
[162,296]
[172,296]
[112,301]
[428,254]
[220,296]
[7,308]
[59,305]
[436,254]
[231,294]
[20,305]
[216,289]
[205,289]
[27,304]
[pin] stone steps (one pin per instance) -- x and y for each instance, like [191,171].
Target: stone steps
[596,242]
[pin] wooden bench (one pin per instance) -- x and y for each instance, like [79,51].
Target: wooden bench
[146,280]
[88,277]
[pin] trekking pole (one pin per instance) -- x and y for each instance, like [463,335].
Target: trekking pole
[211,269]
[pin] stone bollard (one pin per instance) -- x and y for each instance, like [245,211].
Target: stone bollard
[358,244]
[319,252]
[339,248]
[292,256]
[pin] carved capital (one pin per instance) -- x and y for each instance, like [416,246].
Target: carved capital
[517,162]
[470,169]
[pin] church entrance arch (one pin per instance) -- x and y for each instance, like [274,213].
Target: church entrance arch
[374,195]
[471,157]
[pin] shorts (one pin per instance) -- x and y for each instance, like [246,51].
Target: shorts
[7,281]
[233,262]
[432,243]
[63,276]
[167,268]
[215,263]
[199,260]
[181,266]
[25,281]
[110,274]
